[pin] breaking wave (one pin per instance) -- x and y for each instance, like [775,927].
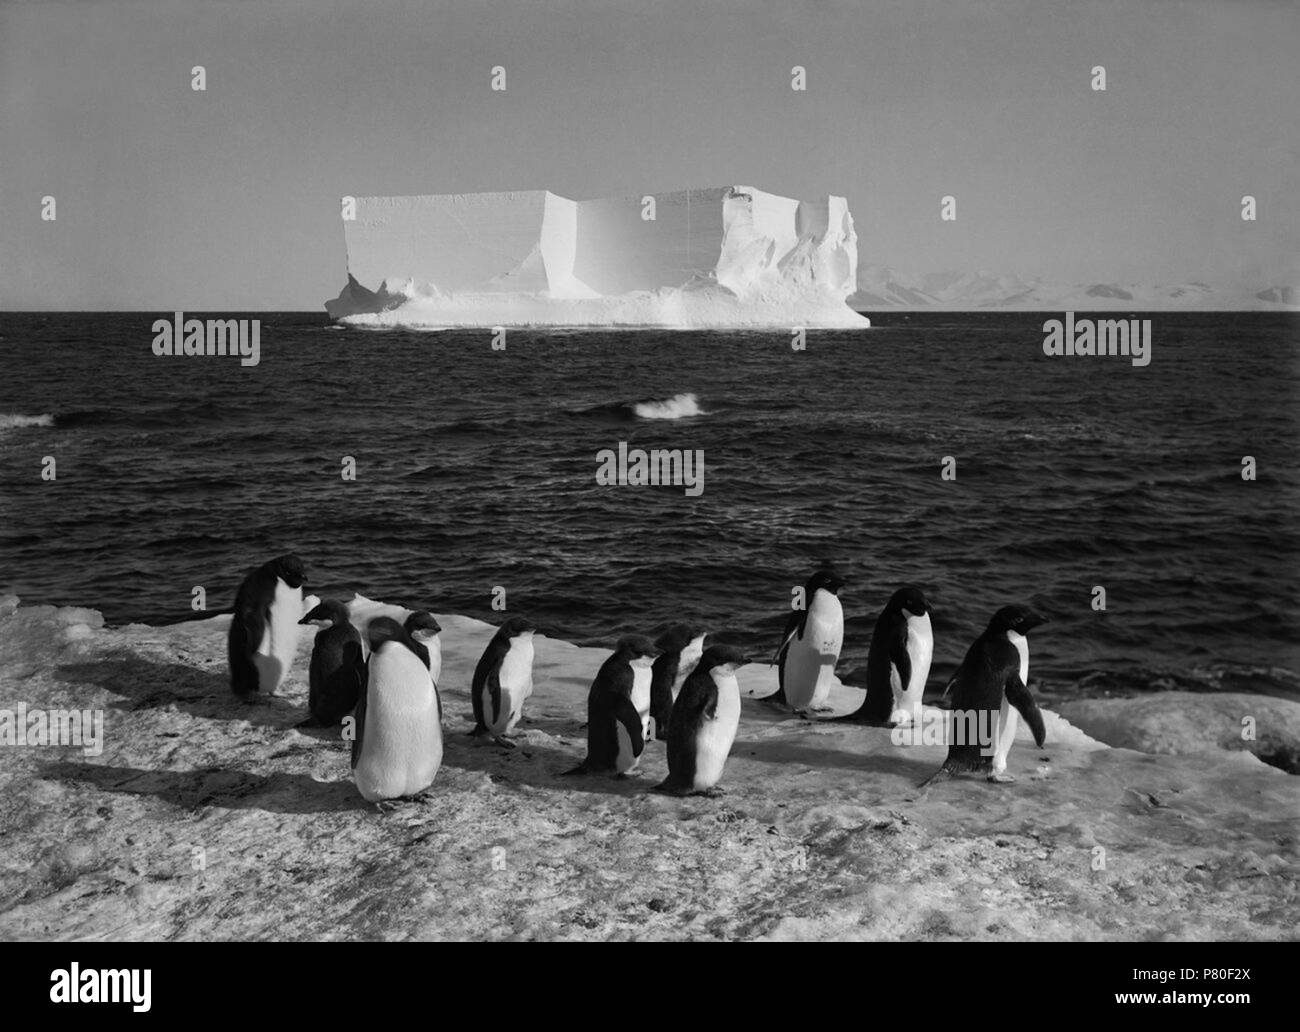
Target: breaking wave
[14,421]
[679,406]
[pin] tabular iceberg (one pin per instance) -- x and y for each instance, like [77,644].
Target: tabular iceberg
[728,256]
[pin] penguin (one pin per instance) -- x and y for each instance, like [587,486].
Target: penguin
[423,629]
[810,646]
[263,636]
[898,662]
[503,679]
[338,670]
[618,709]
[680,649]
[397,749]
[703,724]
[991,688]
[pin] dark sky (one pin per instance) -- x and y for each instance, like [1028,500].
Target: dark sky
[228,199]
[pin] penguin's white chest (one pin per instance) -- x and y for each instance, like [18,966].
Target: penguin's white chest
[810,659]
[686,664]
[401,747]
[641,677]
[279,644]
[434,644]
[1008,718]
[516,679]
[716,736]
[920,650]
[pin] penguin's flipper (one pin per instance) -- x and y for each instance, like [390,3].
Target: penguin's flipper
[247,627]
[476,690]
[793,623]
[902,660]
[625,713]
[661,692]
[1018,695]
[352,678]
[493,685]
[359,731]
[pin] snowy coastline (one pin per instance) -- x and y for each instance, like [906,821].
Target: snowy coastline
[208,818]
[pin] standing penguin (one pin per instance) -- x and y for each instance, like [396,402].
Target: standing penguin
[398,745]
[898,662]
[991,687]
[337,673]
[680,649]
[810,646]
[263,637]
[503,679]
[703,724]
[618,709]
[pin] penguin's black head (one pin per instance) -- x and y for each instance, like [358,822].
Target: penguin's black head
[633,647]
[329,613]
[827,579]
[383,629]
[726,656]
[515,626]
[677,637]
[1020,619]
[290,569]
[421,625]
[911,599]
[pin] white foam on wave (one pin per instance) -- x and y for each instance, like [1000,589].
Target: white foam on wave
[679,406]
[15,421]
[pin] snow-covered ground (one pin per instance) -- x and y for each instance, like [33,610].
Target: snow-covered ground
[204,817]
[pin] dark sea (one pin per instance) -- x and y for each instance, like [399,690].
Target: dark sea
[476,468]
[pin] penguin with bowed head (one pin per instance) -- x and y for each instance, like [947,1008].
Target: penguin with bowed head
[810,646]
[703,724]
[618,709]
[680,648]
[503,679]
[991,688]
[397,748]
[263,636]
[423,629]
[337,673]
[898,662]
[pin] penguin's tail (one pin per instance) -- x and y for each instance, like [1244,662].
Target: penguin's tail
[581,768]
[669,787]
[942,774]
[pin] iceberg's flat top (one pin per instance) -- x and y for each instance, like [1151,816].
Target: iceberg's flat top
[713,257]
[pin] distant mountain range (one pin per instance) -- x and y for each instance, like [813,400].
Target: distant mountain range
[882,287]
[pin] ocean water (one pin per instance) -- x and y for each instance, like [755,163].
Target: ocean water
[477,468]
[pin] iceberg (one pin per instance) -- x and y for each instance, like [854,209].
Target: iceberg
[721,257]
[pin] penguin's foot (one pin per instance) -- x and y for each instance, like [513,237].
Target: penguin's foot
[479,731]
[1002,778]
[388,805]
[821,709]
[716,792]
[628,775]
[504,742]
